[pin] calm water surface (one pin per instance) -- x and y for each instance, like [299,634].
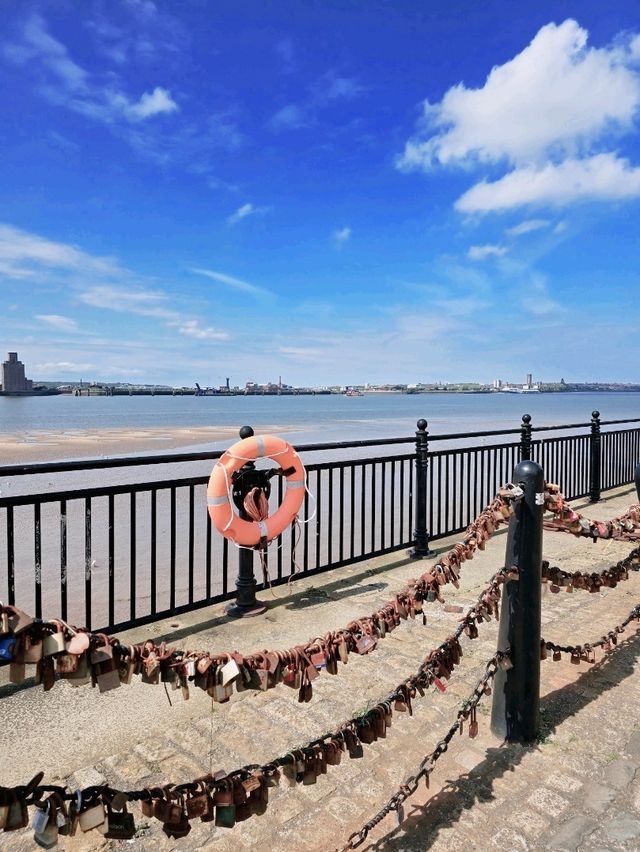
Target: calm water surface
[332,417]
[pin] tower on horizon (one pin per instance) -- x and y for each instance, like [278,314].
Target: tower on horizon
[13,378]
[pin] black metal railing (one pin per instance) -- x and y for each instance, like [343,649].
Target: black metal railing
[130,552]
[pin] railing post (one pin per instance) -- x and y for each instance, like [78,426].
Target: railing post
[420,549]
[595,469]
[515,714]
[637,479]
[525,437]
[246,603]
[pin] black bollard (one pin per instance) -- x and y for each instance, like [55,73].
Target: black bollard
[246,603]
[420,549]
[515,714]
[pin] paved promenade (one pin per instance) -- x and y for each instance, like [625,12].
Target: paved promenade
[578,788]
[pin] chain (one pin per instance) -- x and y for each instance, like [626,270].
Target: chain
[586,650]
[592,582]
[626,527]
[427,764]
[438,664]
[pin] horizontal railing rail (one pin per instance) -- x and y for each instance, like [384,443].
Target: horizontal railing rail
[120,554]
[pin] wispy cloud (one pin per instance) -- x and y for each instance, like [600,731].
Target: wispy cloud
[341,236]
[290,117]
[322,94]
[23,255]
[192,328]
[483,252]
[527,227]
[59,322]
[64,82]
[144,302]
[245,211]
[230,281]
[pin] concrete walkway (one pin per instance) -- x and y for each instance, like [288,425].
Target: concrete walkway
[578,788]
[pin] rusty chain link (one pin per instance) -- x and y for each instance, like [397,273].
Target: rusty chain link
[591,581]
[626,527]
[585,652]
[439,663]
[427,764]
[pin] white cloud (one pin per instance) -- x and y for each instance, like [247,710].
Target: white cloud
[342,236]
[63,82]
[153,103]
[53,368]
[290,117]
[603,177]
[244,211]
[59,322]
[556,98]
[230,281]
[192,328]
[333,88]
[23,255]
[146,303]
[527,227]
[483,252]
[537,300]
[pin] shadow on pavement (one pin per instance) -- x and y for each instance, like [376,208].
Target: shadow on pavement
[422,824]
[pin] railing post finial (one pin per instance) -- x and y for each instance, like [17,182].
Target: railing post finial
[525,438]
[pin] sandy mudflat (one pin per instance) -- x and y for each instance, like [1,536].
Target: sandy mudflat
[51,445]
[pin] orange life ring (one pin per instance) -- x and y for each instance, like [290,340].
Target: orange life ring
[221,512]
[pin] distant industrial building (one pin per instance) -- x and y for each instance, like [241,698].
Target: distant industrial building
[13,378]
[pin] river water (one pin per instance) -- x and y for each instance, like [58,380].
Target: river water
[334,417]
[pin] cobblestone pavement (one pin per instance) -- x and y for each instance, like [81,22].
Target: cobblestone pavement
[577,788]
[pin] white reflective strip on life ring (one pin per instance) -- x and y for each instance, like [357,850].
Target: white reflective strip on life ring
[263,529]
[217,501]
[297,483]
[260,442]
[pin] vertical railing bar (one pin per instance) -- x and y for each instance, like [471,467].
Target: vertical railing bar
[172,548]
[153,559]
[383,504]
[280,539]
[412,468]
[191,542]
[330,519]
[208,555]
[362,509]
[37,556]
[342,508]
[133,556]
[305,535]
[352,512]
[11,559]
[318,515]
[87,562]
[111,546]
[403,536]
[393,531]
[63,560]
[373,519]
[225,565]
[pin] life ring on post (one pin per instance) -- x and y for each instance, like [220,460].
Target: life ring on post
[221,512]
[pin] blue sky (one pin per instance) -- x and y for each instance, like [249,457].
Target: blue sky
[331,192]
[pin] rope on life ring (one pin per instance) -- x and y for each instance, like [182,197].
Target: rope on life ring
[252,533]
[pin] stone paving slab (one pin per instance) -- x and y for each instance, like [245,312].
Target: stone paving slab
[578,788]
